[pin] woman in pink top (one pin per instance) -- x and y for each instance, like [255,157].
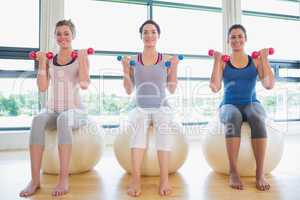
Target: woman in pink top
[62,77]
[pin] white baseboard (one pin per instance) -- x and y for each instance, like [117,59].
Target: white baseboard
[14,140]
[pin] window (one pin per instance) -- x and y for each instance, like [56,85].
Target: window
[272,6]
[18,102]
[19,99]
[282,35]
[187,32]
[19,23]
[106,26]
[277,26]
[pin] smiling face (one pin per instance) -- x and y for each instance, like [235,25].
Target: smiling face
[237,39]
[64,36]
[150,35]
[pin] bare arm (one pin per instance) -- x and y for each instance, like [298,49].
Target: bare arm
[128,75]
[172,75]
[84,77]
[265,73]
[217,73]
[43,73]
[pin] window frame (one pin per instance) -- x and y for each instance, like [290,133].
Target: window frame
[22,53]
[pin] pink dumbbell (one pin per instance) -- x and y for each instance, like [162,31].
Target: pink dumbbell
[74,53]
[256,54]
[32,55]
[225,57]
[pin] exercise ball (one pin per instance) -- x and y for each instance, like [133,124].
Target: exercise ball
[150,164]
[87,148]
[215,153]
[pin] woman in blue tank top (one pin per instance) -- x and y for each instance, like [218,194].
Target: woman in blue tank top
[150,78]
[240,104]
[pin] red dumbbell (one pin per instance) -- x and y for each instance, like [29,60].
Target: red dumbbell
[256,54]
[225,57]
[74,53]
[32,55]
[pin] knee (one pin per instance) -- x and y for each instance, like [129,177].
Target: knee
[63,120]
[139,120]
[256,119]
[258,128]
[40,119]
[231,116]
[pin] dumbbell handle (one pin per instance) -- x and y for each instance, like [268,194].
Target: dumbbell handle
[168,63]
[131,62]
[32,55]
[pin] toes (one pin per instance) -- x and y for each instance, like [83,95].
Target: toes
[165,192]
[241,187]
[237,187]
[133,192]
[23,194]
[55,193]
[168,192]
[260,187]
[161,193]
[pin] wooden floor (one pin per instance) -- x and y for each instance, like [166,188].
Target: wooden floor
[194,180]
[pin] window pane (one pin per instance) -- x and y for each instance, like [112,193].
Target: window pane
[20,23]
[187,31]
[282,102]
[193,101]
[105,65]
[282,35]
[18,102]
[214,3]
[106,25]
[289,73]
[10,64]
[107,101]
[195,68]
[272,6]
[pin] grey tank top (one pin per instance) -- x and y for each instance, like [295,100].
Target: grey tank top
[150,83]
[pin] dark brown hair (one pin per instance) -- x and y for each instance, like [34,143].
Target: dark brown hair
[150,21]
[237,26]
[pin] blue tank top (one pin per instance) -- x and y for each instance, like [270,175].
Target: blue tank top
[150,83]
[239,84]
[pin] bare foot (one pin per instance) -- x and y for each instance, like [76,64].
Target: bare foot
[134,188]
[235,181]
[30,189]
[165,188]
[262,184]
[61,188]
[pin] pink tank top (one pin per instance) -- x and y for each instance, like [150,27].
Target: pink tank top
[63,92]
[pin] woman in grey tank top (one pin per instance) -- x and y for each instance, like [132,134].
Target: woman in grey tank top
[65,77]
[149,78]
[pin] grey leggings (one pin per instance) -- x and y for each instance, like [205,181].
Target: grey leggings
[64,122]
[233,116]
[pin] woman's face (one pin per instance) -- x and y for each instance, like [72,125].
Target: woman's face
[64,36]
[237,39]
[150,35]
